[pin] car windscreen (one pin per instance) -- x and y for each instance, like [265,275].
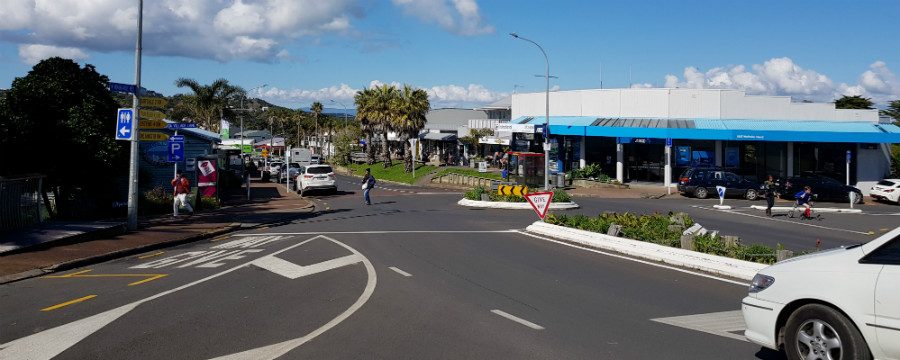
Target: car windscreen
[319,170]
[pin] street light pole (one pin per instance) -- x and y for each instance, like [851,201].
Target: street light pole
[546,116]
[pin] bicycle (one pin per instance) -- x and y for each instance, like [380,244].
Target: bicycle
[798,211]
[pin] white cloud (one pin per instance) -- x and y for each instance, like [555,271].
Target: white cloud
[33,54]
[460,17]
[780,76]
[442,96]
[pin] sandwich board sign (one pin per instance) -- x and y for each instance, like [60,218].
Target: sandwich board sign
[540,202]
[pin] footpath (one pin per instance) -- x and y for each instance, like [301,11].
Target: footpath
[59,246]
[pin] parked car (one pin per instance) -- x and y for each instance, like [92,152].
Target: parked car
[834,304]
[315,177]
[826,187]
[274,169]
[887,189]
[702,181]
[292,170]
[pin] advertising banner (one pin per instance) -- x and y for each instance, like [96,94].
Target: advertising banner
[206,177]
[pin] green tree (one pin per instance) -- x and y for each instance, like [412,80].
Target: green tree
[343,140]
[66,113]
[853,102]
[414,105]
[316,109]
[473,138]
[365,113]
[209,103]
[387,109]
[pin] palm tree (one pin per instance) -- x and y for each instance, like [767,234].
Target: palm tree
[316,109]
[414,105]
[365,112]
[386,112]
[209,103]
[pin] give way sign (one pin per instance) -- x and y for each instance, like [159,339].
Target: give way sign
[540,202]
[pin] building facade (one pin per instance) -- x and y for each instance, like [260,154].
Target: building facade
[653,134]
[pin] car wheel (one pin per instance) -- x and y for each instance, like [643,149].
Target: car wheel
[701,193]
[752,194]
[816,331]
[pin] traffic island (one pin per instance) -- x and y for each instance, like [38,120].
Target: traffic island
[514,205]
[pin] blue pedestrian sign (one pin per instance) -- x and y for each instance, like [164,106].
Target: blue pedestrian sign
[176,148]
[125,124]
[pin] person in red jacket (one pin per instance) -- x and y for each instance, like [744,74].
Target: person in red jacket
[182,188]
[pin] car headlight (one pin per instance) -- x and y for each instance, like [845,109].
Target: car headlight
[761,282]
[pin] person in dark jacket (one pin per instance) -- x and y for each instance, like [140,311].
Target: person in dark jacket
[368,182]
[770,195]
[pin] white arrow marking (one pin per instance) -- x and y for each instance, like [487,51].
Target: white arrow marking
[292,271]
[124,131]
[49,343]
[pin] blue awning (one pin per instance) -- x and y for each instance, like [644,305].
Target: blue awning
[720,129]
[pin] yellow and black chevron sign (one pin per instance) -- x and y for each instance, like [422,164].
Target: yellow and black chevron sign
[516,190]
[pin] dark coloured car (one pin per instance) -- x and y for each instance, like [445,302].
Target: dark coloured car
[702,181]
[827,189]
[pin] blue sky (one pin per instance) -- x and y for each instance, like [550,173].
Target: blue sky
[460,51]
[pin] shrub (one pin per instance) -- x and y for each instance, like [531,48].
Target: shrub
[560,195]
[757,253]
[475,194]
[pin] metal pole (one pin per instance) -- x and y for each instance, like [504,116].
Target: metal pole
[135,141]
[546,134]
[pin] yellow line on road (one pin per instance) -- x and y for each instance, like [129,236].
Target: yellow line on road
[151,255]
[220,238]
[150,277]
[54,307]
[263,228]
[884,229]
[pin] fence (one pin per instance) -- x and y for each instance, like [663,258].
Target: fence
[20,202]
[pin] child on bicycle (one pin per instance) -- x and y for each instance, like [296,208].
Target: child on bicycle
[803,198]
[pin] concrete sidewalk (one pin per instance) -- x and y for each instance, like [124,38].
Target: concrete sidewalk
[58,246]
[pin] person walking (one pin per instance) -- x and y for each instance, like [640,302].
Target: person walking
[770,195]
[182,188]
[368,182]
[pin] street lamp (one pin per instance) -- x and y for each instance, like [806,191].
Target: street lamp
[345,111]
[546,117]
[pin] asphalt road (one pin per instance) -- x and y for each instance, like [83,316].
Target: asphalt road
[411,276]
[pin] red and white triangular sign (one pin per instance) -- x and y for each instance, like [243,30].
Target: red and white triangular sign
[540,202]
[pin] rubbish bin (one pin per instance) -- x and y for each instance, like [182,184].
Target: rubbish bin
[560,179]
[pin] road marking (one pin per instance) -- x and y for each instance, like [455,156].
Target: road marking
[798,222]
[393,232]
[151,255]
[635,260]
[518,319]
[262,228]
[54,307]
[725,324]
[220,238]
[293,271]
[52,342]
[150,277]
[401,272]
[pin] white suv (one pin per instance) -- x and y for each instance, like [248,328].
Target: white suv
[315,177]
[842,303]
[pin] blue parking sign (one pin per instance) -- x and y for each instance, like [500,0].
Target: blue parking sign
[176,150]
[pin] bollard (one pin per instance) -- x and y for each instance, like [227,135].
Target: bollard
[485,197]
[783,255]
[614,230]
[731,241]
[687,242]
[676,228]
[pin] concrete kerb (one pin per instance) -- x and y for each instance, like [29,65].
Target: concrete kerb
[514,205]
[739,269]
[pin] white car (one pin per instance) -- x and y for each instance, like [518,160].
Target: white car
[842,303]
[887,189]
[315,177]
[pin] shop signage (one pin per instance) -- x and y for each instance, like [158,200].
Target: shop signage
[519,128]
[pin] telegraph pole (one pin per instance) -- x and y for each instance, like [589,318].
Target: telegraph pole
[136,140]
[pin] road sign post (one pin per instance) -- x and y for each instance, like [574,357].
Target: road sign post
[540,202]
[413,148]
